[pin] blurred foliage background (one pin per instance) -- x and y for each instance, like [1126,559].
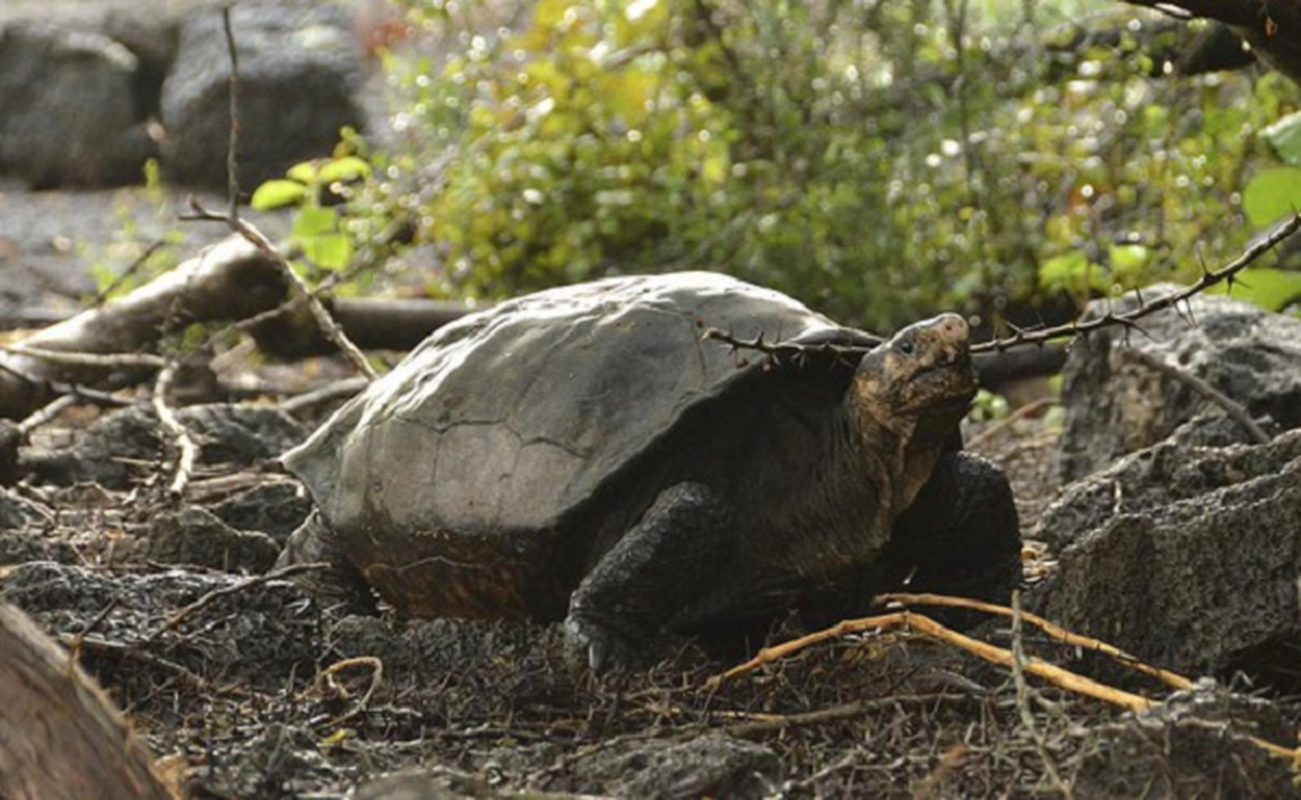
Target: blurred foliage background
[878,159]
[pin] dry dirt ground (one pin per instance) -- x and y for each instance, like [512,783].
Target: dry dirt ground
[246,687]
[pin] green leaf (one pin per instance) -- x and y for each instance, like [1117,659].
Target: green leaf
[1272,289]
[305,173]
[330,251]
[348,168]
[1272,194]
[1065,272]
[278,193]
[1285,137]
[314,221]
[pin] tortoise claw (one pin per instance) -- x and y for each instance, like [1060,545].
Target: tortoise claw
[605,649]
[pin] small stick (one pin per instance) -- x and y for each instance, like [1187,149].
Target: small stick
[216,594]
[1023,694]
[994,654]
[1231,407]
[1075,329]
[1053,630]
[232,147]
[755,728]
[125,274]
[376,676]
[179,433]
[254,236]
[338,390]
[51,410]
[75,359]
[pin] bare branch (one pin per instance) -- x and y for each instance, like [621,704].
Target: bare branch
[189,450]
[1231,407]
[255,236]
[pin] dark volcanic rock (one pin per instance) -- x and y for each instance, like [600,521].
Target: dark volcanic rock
[300,76]
[1117,405]
[275,508]
[1185,556]
[710,766]
[69,103]
[127,443]
[260,635]
[196,537]
[1194,745]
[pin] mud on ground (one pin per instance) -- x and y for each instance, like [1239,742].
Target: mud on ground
[246,687]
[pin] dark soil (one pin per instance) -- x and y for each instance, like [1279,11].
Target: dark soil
[247,687]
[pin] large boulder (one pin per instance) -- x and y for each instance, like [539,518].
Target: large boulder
[1117,404]
[1180,539]
[70,114]
[301,73]
[1186,556]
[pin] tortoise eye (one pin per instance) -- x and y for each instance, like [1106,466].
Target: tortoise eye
[906,346]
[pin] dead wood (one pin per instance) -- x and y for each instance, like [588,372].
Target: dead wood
[60,737]
[1273,29]
[230,280]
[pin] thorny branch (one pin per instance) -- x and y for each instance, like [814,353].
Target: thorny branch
[1226,275]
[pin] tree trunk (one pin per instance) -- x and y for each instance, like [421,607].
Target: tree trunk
[59,735]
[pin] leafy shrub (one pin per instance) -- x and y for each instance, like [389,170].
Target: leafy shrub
[879,161]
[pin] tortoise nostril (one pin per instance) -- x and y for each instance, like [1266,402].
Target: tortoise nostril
[953,328]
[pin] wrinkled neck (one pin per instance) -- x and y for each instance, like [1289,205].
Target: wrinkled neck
[907,445]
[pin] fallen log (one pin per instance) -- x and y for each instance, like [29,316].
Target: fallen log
[60,736]
[230,280]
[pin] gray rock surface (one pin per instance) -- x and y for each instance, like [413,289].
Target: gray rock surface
[71,111]
[194,536]
[709,766]
[1116,405]
[1187,557]
[300,76]
[120,444]
[1194,745]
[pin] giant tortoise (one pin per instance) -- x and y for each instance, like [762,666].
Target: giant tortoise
[583,453]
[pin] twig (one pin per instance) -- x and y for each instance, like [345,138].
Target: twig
[1023,692]
[1231,407]
[254,236]
[232,147]
[337,390]
[189,450]
[926,626]
[76,359]
[1003,424]
[778,723]
[74,648]
[43,415]
[216,594]
[128,651]
[121,277]
[1208,279]
[1053,630]
[376,676]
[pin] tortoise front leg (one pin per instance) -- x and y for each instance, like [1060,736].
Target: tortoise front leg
[672,556]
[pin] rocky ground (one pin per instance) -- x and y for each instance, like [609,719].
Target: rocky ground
[246,687]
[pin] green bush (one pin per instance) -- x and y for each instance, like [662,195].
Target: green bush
[880,161]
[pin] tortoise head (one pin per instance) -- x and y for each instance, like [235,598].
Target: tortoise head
[924,371]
